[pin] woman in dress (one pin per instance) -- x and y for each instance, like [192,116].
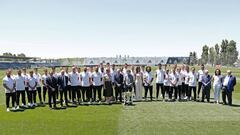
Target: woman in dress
[108,88]
[138,84]
[217,83]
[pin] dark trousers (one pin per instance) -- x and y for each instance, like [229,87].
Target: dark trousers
[86,91]
[175,91]
[39,90]
[63,93]
[158,86]
[57,93]
[206,93]
[150,88]
[32,96]
[190,89]
[69,89]
[52,97]
[44,93]
[13,97]
[118,91]
[185,90]
[22,93]
[199,87]
[180,87]
[27,92]
[227,94]
[166,90]
[97,89]
[76,91]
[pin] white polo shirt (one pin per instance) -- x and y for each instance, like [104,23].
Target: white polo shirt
[75,79]
[166,81]
[32,81]
[20,83]
[186,75]
[38,78]
[200,75]
[85,76]
[44,78]
[192,79]
[148,78]
[180,78]
[26,79]
[160,76]
[97,77]
[173,79]
[9,81]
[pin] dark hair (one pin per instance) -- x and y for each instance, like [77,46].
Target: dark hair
[218,70]
[138,69]
[148,67]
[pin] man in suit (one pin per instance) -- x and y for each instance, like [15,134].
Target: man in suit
[206,86]
[118,81]
[52,86]
[62,87]
[228,87]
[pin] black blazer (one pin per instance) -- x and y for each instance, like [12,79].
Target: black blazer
[118,79]
[51,82]
[61,82]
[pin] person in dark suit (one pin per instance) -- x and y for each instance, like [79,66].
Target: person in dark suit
[206,86]
[52,83]
[228,87]
[62,86]
[118,81]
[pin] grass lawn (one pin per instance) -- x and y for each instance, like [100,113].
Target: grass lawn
[149,118]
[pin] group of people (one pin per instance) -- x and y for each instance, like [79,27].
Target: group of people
[122,85]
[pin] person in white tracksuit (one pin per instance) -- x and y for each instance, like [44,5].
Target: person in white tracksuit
[217,84]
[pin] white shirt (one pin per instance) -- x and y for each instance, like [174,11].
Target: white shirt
[192,79]
[97,79]
[173,79]
[186,75]
[75,79]
[26,78]
[44,78]
[200,75]
[226,80]
[166,81]
[85,76]
[38,78]
[32,82]
[20,83]
[180,78]
[217,80]
[113,73]
[68,75]
[160,76]
[9,81]
[148,78]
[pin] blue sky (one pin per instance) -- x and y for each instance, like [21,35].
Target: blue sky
[92,28]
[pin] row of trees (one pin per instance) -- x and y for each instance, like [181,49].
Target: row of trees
[13,55]
[225,54]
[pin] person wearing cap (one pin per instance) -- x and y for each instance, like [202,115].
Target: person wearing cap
[206,86]
[228,87]
[10,92]
[199,78]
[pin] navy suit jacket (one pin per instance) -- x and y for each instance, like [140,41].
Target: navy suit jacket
[61,82]
[231,84]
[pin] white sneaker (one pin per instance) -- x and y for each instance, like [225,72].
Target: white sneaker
[17,107]
[34,104]
[14,108]
[8,110]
